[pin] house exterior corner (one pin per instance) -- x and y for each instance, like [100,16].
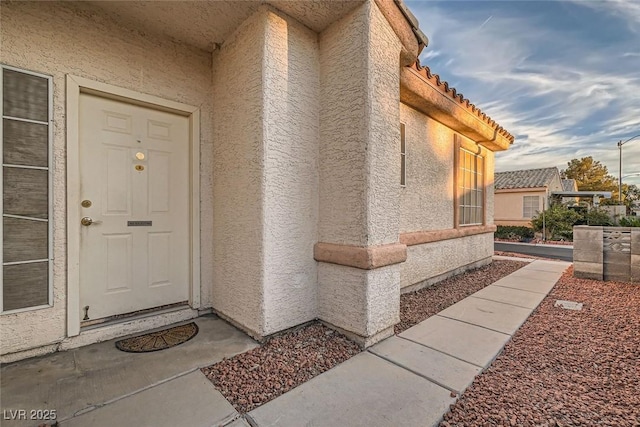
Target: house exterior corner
[316,180]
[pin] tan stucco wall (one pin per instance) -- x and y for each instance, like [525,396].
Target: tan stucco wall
[291,82]
[427,200]
[509,207]
[359,168]
[238,180]
[56,39]
[266,175]
[434,259]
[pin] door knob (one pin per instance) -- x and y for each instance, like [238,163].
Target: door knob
[87,221]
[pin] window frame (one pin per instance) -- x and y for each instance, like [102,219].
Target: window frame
[49,168]
[524,206]
[403,155]
[475,150]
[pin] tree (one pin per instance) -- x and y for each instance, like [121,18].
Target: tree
[590,175]
[630,193]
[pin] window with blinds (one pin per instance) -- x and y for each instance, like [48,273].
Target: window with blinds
[470,183]
[26,182]
[530,206]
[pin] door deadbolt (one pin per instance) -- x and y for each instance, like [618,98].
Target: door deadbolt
[86,203]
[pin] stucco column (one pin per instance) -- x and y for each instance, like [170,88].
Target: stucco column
[358,228]
[266,174]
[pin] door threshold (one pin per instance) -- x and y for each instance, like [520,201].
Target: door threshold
[128,317]
[135,324]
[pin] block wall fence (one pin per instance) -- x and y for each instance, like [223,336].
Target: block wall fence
[606,253]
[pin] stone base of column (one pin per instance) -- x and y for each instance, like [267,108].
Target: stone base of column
[362,304]
[363,342]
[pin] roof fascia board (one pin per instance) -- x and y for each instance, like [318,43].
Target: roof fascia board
[420,93]
[521,190]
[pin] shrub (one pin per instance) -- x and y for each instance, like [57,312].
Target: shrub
[558,220]
[630,221]
[514,232]
[597,216]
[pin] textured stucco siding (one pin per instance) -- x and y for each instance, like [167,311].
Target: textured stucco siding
[510,207]
[555,184]
[238,185]
[434,259]
[57,39]
[343,80]
[364,302]
[291,87]
[427,198]
[383,131]
[359,168]
[359,130]
[426,201]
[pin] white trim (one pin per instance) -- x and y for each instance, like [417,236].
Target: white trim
[2,190]
[403,155]
[26,309]
[73,214]
[17,119]
[31,261]
[49,219]
[194,146]
[25,217]
[23,70]
[75,86]
[8,165]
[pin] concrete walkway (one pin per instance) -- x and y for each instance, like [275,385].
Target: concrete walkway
[406,380]
[99,385]
[411,379]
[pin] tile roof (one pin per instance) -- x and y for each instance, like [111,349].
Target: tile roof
[451,92]
[569,185]
[528,178]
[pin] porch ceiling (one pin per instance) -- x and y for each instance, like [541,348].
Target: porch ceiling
[208,22]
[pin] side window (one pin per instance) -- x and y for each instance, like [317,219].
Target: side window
[470,182]
[403,156]
[530,206]
[26,138]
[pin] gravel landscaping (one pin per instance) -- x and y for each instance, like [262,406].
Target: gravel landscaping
[255,377]
[564,367]
[417,306]
[251,379]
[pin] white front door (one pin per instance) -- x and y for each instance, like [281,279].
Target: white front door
[134,193]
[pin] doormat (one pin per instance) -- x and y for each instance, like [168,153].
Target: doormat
[160,340]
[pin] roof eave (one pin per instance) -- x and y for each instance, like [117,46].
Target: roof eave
[424,92]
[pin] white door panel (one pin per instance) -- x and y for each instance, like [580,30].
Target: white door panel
[134,169]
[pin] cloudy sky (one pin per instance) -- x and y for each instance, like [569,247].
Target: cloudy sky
[562,76]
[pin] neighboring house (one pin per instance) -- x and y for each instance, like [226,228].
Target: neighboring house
[570,185]
[272,162]
[521,194]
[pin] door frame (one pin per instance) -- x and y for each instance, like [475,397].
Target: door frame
[75,86]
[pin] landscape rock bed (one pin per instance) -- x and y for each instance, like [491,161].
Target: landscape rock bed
[251,379]
[564,367]
[419,305]
[257,376]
